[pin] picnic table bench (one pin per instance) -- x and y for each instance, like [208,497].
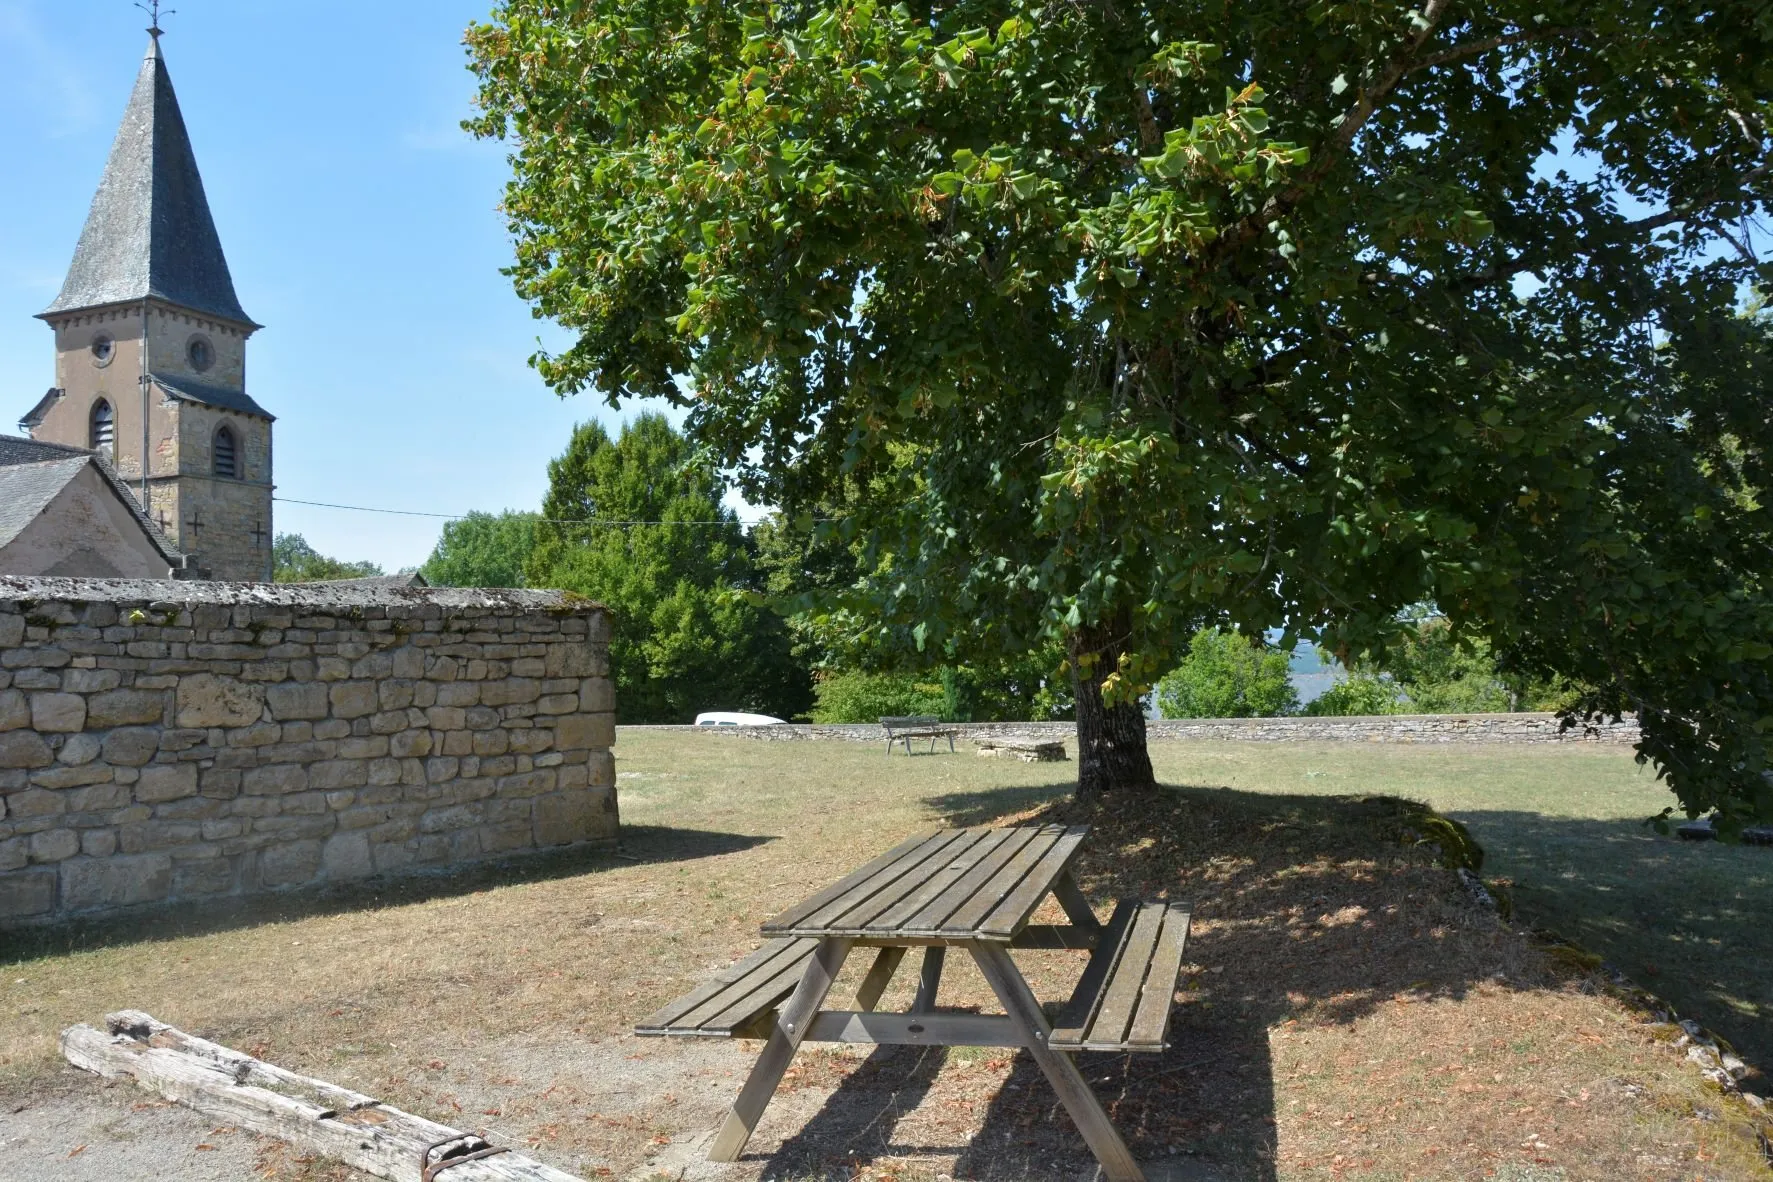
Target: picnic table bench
[972,889]
[903,729]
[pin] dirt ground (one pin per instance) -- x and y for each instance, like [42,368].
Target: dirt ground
[1346,1012]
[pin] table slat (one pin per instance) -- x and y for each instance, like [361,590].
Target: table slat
[959,867]
[967,918]
[929,919]
[812,903]
[820,921]
[866,916]
[1020,903]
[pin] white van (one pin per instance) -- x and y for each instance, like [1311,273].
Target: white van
[736,718]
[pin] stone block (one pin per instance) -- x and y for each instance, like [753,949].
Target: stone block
[158,835]
[458,694]
[166,781]
[393,856]
[297,702]
[571,659]
[481,718]
[448,819]
[58,713]
[209,876]
[90,884]
[97,798]
[191,808]
[293,828]
[408,662]
[531,740]
[390,722]
[35,802]
[557,704]
[338,773]
[15,710]
[27,894]
[346,856]
[368,747]
[63,778]
[262,734]
[12,630]
[206,700]
[509,691]
[98,843]
[458,743]
[54,845]
[306,804]
[79,750]
[15,853]
[528,783]
[91,681]
[395,694]
[24,749]
[565,817]
[276,780]
[603,769]
[124,707]
[597,695]
[332,669]
[131,746]
[221,783]
[383,772]
[410,744]
[574,732]
[491,742]
[289,865]
[506,837]
[354,699]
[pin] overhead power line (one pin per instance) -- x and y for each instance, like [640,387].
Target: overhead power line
[543,520]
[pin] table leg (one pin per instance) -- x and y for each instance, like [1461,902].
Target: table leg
[933,956]
[791,1026]
[879,975]
[1118,1163]
[1077,907]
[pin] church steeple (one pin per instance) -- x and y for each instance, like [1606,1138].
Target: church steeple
[149,234]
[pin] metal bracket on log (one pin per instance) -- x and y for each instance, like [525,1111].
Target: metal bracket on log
[312,1114]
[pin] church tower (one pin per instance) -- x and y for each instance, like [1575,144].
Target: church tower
[150,344]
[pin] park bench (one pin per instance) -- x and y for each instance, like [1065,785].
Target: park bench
[917,726]
[972,890]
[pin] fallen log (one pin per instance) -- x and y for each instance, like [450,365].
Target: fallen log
[312,1114]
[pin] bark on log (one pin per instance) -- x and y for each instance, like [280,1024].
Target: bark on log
[1111,750]
[312,1114]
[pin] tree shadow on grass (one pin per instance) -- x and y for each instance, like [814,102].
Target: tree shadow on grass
[639,844]
[1685,920]
[1306,907]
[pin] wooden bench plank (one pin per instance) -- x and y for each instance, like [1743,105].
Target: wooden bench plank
[735,994]
[1074,1019]
[812,903]
[1013,911]
[1122,995]
[1152,1017]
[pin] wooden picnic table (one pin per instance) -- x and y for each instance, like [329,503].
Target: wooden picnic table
[971,889]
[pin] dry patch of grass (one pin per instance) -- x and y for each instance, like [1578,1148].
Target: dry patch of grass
[1346,1013]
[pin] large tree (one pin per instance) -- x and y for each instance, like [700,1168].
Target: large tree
[482,550]
[1147,315]
[637,523]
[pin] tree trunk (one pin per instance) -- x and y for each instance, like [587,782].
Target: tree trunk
[1111,751]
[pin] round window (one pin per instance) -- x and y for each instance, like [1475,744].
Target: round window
[201,353]
[103,349]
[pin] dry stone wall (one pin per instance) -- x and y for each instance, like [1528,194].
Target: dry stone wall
[1388,728]
[175,741]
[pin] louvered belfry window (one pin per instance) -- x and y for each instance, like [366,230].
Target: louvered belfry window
[227,454]
[104,427]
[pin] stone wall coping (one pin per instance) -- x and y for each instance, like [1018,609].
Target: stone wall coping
[15,591]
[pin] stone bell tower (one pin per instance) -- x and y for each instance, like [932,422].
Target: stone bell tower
[150,345]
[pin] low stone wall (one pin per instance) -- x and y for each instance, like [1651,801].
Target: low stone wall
[1388,728]
[171,741]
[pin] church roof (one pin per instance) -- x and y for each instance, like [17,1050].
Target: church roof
[33,473]
[149,233]
[221,397]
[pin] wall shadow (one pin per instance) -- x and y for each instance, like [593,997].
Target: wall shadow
[1307,907]
[1685,920]
[638,844]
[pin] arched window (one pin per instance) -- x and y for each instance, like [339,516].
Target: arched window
[226,453]
[102,431]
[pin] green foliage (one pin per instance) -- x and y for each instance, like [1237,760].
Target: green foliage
[1030,688]
[294,561]
[1114,319]
[482,550]
[869,697]
[1359,694]
[1228,675]
[672,564]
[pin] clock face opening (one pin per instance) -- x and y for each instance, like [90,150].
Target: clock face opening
[200,353]
[103,349]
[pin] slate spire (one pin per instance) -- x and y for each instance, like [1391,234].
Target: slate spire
[149,233]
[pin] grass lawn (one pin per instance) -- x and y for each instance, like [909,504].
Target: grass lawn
[1346,1013]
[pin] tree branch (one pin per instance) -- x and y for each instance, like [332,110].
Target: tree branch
[1476,48]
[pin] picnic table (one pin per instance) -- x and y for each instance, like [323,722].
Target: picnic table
[904,728]
[971,889]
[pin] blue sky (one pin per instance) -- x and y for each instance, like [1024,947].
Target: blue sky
[361,226]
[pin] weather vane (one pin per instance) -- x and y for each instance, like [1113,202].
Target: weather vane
[152,8]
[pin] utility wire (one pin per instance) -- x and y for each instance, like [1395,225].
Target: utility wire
[541,520]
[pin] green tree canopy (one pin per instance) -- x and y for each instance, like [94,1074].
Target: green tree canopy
[294,561]
[1142,316]
[482,550]
[1228,675]
[671,562]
